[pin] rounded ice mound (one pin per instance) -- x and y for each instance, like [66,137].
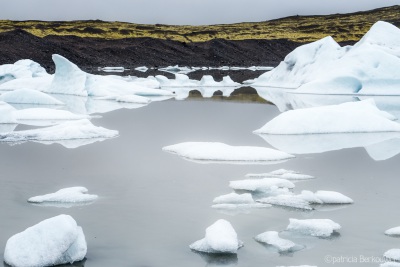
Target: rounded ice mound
[272,238]
[234,198]
[58,240]
[66,195]
[313,227]
[395,231]
[220,238]
[392,254]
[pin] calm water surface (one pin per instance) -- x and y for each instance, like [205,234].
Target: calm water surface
[154,204]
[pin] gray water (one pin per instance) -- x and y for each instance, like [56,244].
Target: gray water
[154,204]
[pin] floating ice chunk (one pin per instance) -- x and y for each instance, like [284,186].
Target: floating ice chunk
[142,69]
[33,83]
[272,238]
[331,197]
[392,254]
[234,198]
[47,114]
[127,99]
[287,201]
[313,227]
[219,152]
[227,81]
[208,81]
[35,68]
[220,238]
[177,70]
[149,82]
[113,69]
[181,80]
[24,68]
[7,114]
[68,78]
[80,129]
[260,184]
[395,231]
[355,117]
[310,197]
[29,96]
[66,195]
[281,173]
[54,241]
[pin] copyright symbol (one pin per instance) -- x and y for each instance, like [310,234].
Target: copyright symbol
[328,258]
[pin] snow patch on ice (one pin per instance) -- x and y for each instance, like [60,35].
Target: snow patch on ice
[66,195]
[314,227]
[272,238]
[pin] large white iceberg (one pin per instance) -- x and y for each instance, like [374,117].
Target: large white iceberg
[76,194]
[272,238]
[29,96]
[354,117]
[220,238]
[58,240]
[371,66]
[219,152]
[313,227]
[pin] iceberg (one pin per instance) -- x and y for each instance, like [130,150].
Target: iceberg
[393,231]
[220,238]
[7,114]
[66,195]
[41,83]
[222,153]
[281,173]
[234,198]
[371,66]
[272,238]
[331,197]
[290,201]
[142,69]
[29,96]
[24,68]
[177,70]
[58,240]
[79,129]
[208,81]
[53,115]
[260,184]
[313,227]
[181,80]
[354,117]
[392,254]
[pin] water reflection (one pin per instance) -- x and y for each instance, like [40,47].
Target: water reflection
[218,259]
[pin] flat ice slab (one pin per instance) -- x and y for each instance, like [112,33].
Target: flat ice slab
[289,201]
[58,240]
[66,195]
[260,184]
[331,197]
[220,238]
[219,152]
[313,227]
[281,173]
[29,96]
[354,117]
[272,238]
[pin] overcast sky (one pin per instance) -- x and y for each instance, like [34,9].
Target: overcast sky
[194,12]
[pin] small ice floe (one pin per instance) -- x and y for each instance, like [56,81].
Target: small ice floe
[112,69]
[24,68]
[272,238]
[290,201]
[260,184]
[127,99]
[281,173]
[208,81]
[72,195]
[181,80]
[142,69]
[392,254]
[354,117]
[331,197]
[176,69]
[208,152]
[220,238]
[29,96]
[58,240]
[36,114]
[313,227]
[237,202]
[70,130]
[395,231]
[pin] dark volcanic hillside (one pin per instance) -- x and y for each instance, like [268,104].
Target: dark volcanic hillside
[135,52]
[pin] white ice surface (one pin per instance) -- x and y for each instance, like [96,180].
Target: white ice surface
[281,173]
[208,151]
[313,227]
[41,83]
[392,254]
[234,198]
[29,96]
[66,195]
[354,117]
[260,184]
[142,69]
[272,238]
[331,197]
[7,114]
[54,241]
[395,231]
[290,201]
[220,238]
[47,114]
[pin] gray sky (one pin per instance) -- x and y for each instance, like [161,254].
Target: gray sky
[193,12]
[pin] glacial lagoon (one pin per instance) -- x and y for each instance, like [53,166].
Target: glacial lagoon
[152,205]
